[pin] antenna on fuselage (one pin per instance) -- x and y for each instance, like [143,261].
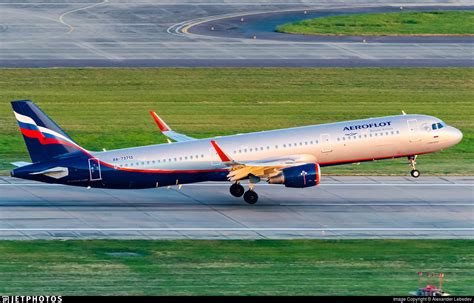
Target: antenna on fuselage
[403,112]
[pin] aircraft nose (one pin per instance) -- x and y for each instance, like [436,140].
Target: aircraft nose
[455,134]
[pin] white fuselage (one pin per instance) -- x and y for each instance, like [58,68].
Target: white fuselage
[326,144]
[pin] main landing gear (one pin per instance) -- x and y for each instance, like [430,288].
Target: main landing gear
[250,196]
[238,190]
[414,172]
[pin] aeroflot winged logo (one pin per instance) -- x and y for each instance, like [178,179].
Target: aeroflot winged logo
[368,125]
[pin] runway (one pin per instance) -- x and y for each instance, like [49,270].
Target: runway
[127,33]
[340,208]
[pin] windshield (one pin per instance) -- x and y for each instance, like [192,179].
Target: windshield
[438,125]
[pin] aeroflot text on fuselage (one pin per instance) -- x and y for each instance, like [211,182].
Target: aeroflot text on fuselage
[369,125]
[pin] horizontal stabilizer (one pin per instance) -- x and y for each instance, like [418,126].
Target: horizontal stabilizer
[55,172]
[20,163]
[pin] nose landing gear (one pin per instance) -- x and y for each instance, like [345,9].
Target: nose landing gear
[414,172]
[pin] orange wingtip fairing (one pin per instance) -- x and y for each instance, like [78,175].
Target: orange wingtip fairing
[161,124]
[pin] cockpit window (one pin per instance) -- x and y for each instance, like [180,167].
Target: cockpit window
[437,125]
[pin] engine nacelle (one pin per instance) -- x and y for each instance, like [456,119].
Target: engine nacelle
[305,175]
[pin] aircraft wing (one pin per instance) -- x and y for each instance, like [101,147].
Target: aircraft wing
[264,168]
[167,131]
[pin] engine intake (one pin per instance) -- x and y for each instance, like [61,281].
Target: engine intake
[300,176]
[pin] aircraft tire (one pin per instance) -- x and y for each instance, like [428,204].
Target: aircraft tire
[250,197]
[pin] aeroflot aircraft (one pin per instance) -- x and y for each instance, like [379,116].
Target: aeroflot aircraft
[292,157]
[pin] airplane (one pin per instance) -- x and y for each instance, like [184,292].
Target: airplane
[292,157]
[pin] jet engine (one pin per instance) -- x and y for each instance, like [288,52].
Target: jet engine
[300,176]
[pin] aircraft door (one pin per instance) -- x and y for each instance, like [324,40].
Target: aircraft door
[326,143]
[413,130]
[94,170]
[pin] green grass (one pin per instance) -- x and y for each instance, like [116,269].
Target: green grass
[108,108]
[387,24]
[264,267]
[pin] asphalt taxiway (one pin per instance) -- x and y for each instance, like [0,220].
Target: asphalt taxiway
[128,33]
[341,207]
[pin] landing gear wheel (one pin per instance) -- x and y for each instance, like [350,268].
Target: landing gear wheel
[250,197]
[414,172]
[237,190]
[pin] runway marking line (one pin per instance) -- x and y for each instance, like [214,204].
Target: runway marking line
[71,28]
[246,229]
[264,184]
[379,204]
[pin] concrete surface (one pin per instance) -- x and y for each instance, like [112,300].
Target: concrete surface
[341,207]
[46,33]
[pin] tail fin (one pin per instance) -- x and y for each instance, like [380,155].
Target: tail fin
[44,138]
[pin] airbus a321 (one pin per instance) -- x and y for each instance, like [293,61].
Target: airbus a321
[292,157]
